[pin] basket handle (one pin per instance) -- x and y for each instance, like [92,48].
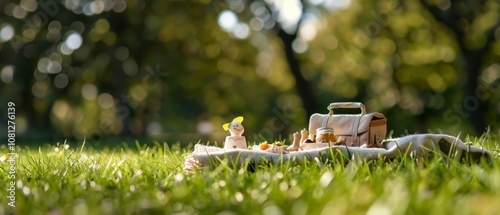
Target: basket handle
[347,105]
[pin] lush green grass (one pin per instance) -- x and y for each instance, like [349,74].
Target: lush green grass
[151,180]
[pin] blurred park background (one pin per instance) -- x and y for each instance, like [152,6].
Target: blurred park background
[179,69]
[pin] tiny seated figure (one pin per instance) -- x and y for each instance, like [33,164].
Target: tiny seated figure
[296,142]
[299,139]
[306,137]
[236,129]
[303,135]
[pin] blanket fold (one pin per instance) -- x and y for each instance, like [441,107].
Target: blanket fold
[423,145]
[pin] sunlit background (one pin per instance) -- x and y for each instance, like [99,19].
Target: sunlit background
[178,70]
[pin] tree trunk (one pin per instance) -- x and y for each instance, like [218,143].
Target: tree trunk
[471,102]
[302,85]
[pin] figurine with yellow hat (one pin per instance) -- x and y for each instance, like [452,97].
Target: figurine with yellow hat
[236,140]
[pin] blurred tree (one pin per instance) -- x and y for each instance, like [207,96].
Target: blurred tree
[288,37]
[473,25]
[369,34]
[104,68]
[126,67]
[425,73]
[283,19]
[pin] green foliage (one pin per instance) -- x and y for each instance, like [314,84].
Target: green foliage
[158,68]
[397,57]
[145,179]
[163,63]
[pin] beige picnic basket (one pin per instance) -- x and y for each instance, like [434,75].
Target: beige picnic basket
[351,129]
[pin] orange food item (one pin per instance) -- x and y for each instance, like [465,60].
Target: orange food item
[333,138]
[326,137]
[264,146]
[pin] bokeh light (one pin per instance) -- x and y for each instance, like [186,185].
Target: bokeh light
[121,53]
[241,31]
[61,81]
[89,91]
[7,74]
[299,46]
[205,127]
[40,89]
[308,30]
[153,128]
[61,109]
[6,32]
[138,93]
[74,40]
[105,100]
[227,20]
[19,12]
[102,26]
[289,13]
[29,5]
[130,67]
[54,27]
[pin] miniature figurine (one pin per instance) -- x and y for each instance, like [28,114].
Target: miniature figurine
[296,142]
[236,140]
[303,135]
[235,127]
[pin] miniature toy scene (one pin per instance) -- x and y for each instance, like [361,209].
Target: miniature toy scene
[359,137]
[323,134]
[229,107]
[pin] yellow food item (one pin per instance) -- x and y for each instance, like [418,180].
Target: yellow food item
[278,143]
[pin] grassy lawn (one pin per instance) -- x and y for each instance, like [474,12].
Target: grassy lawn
[75,179]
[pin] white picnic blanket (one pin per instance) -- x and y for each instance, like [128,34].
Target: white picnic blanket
[413,145]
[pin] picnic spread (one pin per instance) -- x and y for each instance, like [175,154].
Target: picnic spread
[356,137]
